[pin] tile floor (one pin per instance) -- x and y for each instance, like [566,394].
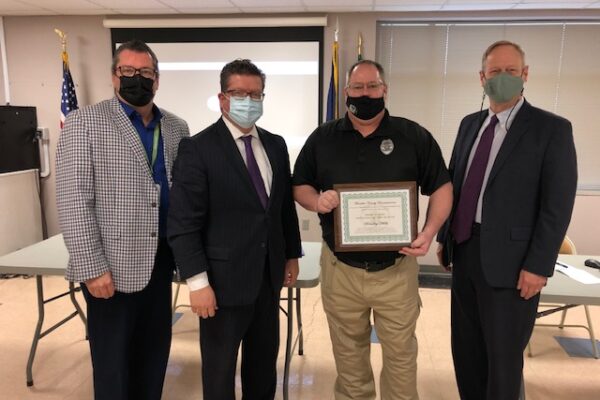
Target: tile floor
[62,367]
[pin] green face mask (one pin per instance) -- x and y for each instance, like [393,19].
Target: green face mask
[503,87]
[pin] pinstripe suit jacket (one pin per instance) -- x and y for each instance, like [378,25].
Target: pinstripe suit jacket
[106,197]
[216,221]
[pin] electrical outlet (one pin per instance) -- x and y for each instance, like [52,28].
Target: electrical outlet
[305,224]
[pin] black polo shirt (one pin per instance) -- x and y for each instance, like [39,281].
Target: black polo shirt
[337,153]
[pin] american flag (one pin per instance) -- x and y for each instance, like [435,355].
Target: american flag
[68,100]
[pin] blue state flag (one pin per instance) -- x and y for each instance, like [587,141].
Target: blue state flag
[333,111]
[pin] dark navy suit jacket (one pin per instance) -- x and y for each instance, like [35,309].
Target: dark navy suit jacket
[217,222]
[528,198]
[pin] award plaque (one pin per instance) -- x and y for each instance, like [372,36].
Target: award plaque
[375,216]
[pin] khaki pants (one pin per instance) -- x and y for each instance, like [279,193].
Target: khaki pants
[349,294]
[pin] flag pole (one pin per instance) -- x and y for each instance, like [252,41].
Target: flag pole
[68,96]
[359,47]
[333,93]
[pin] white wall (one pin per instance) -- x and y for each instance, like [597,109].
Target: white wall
[35,74]
[35,71]
[20,210]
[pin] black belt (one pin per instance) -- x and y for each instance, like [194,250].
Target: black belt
[369,266]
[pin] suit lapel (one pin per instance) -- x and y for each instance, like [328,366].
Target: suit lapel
[463,156]
[270,150]
[165,126]
[232,153]
[126,129]
[515,132]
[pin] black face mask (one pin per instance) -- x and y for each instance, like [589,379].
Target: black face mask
[365,107]
[136,90]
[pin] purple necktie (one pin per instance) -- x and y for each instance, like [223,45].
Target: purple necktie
[464,216]
[254,171]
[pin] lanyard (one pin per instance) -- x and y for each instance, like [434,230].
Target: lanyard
[155,146]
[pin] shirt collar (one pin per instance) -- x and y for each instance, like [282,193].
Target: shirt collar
[506,117]
[345,124]
[236,133]
[132,114]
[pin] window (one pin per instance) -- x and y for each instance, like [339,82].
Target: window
[433,75]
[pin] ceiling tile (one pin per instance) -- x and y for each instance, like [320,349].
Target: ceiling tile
[152,7]
[338,8]
[477,7]
[273,9]
[562,5]
[408,7]
[424,3]
[224,4]
[207,10]
[475,2]
[64,5]
[36,12]
[331,4]
[268,3]
[131,4]
[142,11]
[551,2]
[15,5]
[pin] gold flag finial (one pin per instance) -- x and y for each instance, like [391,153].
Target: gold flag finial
[63,43]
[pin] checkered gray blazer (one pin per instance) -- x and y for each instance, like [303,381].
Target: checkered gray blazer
[106,197]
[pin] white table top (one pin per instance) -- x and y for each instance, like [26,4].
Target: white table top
[562,289]
[50,257]
[310,267]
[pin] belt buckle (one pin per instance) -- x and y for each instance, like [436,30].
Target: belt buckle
[372,266]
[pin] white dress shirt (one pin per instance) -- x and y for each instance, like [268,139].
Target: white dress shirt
[505,120]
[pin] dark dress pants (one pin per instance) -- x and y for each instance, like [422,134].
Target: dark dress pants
[256,327]
[130,336]
[490,330]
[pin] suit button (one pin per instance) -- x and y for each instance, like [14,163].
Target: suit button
[153,234]
[153,204]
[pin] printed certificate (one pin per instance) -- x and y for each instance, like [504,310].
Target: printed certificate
[375,216]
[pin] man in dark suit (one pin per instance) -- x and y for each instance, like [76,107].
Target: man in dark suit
[514,172]
[113,172]
[234,232]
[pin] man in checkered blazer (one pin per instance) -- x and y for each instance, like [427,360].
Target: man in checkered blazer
[113,166]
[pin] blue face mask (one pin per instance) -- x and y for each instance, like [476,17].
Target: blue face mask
[245,111]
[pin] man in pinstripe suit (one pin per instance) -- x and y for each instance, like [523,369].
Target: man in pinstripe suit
[113,173]
[234,232]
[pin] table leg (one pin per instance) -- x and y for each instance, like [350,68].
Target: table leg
[38,329]
[299,318]
[72,290]
[288,344]
[591,329]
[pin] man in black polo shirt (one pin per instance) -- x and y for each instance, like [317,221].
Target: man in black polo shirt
[368,145]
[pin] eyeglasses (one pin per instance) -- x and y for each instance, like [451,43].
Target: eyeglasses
[129,71]
[242,94]
[359,87]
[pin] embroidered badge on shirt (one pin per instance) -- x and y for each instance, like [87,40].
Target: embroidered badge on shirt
[386,146]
